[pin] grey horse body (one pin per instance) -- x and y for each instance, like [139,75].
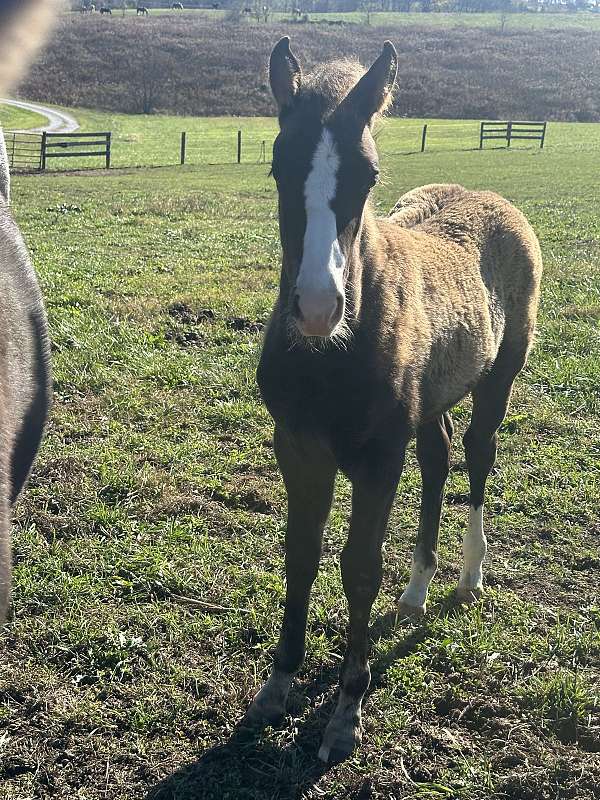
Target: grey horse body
[25,389]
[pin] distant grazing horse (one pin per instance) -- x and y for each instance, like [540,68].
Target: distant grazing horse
[141,10]
[24,346]
[381,326]
[105,10]
[179,6]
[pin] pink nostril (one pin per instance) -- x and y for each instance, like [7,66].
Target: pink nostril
[313,313]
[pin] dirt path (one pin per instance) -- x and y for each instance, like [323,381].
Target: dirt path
[58,121]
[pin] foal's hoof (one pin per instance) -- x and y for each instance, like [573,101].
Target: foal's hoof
[406,611]
[466,597]
[340,740]
[268,706]
[263,714]
[265,709]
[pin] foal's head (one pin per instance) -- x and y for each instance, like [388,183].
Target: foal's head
[325,164]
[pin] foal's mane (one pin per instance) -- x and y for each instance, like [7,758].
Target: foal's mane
[324,88]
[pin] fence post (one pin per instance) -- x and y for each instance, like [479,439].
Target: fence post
[43,151]
[423,138]
[508,133]
[239,147]
[182,152]
[543,136]
[108,137]
[481,136]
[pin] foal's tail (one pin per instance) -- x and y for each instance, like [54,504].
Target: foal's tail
[23,26]
[422,203]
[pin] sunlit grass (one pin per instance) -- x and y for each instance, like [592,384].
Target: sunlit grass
[148,548]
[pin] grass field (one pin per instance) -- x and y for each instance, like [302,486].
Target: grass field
[155,140]
[549,21]
[148,548]
[12,118]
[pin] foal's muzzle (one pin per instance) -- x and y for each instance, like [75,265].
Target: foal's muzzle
[317,314]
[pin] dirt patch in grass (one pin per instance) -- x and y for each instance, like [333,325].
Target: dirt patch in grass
[186,334]
[185,315]
[185,338]
[248,500]
[245,325]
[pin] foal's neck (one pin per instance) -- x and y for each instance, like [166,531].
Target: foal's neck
[362,264]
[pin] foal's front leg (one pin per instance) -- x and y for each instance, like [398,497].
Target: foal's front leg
[309,473]
[372,498]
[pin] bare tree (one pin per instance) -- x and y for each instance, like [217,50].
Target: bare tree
[149,73]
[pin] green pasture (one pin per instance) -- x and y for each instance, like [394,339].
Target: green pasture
[584,20]
[155,140]
[512,21]
[148,548]
[12,118]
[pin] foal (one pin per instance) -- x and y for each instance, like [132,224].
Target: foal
[380,327]
[24,345]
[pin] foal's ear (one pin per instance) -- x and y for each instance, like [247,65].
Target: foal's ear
[285,74]
[373,92]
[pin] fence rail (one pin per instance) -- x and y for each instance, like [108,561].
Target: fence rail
[55,145]
[210,145]
[512,130]
[24,150]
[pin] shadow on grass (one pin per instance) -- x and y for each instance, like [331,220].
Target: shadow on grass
[251,766]
[246,766]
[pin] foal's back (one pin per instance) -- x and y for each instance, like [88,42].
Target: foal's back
[474,266]
[475,235]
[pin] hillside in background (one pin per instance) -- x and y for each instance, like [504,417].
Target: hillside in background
[188,65]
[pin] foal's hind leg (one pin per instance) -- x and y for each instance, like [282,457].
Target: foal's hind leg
[433,454]
[490,402]
[309,475]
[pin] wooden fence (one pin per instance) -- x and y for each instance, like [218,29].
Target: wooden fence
[510,130]
[258,148]
[28,151]
[75,145]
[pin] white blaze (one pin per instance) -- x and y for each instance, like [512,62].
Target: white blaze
[321,274]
